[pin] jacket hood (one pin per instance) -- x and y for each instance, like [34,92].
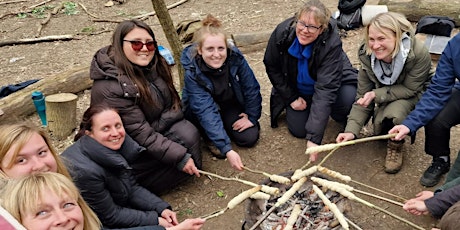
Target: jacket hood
[102,66]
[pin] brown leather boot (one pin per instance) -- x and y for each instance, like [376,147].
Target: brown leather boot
[394,157]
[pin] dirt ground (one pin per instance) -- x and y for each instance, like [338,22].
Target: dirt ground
[276,152]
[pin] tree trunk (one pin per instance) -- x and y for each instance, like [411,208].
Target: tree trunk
[170,32]
[416,9]
[61,114]
[18,105]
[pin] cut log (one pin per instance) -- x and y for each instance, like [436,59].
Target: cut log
[18,105]
[61,114]
[416,9]
[248,42]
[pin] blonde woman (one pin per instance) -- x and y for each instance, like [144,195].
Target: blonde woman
[47,200]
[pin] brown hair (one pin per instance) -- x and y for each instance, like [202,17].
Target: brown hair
[134,72]
[19,135]
[86,123]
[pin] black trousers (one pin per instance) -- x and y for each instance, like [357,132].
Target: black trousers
[437,131]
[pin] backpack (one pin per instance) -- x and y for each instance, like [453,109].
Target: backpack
[436,25]
[185,29]
[350,14]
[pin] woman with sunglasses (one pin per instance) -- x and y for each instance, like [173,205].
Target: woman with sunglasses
[131,76]
[221,94]
[311,75]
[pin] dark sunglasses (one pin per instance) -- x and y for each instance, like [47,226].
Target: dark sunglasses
[137,45]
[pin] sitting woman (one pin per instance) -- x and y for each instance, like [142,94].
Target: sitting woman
[100,164]
[395,69]
[131,76]
[221,94]
[47,200]
[26,149]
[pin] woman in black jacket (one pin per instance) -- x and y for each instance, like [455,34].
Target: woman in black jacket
[311,75]
[99,162]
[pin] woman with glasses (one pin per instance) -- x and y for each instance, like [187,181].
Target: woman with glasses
[311,75]
[131,76]
[221,93]
[395,69]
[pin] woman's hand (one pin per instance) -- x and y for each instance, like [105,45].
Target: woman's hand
[423,195]
[416,207]
[170,217]
[235,160]
[313,156]
[243,123]
[367,99]
[344,137]
[299,104]
[401,131]
[189,224]
[190,168]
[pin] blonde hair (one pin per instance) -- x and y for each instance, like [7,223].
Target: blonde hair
[19,135]
[210,26]
[395,22]
[320,12]
[20,196]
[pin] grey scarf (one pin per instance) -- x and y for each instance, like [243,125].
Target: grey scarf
[397,64]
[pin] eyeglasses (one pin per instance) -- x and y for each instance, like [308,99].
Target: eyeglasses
[138,45]
[312,29]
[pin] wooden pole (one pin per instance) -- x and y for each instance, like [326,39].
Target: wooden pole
[61,113]
[170,32]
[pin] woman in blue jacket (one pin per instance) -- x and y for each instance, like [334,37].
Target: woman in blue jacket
[99,162]
[221,94]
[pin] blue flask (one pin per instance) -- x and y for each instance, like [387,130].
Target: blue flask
[166,55]
[39,102]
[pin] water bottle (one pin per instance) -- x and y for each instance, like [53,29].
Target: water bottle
[166,55]
[39,102]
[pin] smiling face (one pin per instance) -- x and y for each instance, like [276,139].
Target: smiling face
[143,56]
[35,156]
[54,213]
[214,50]
[107,129]
[304,35]
[382,43]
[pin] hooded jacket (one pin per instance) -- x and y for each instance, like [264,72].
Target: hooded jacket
[104,177]
[409,86]
[328,65]
[198,92]
[143,123]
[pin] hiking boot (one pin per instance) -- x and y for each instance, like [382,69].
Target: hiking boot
[394,157]
[214,150]
[433,174]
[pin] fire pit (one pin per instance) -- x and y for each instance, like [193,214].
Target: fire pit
[314,214]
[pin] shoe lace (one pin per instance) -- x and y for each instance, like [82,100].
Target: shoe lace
[393,155]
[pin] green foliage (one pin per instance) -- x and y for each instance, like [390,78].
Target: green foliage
[39,12]
[220,193]
[22,15]
[88,29]
[186,212]
[70,8]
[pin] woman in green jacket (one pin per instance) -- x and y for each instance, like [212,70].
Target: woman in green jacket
[395,70]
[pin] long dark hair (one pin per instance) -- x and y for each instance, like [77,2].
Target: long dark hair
[86,123]
[134,72]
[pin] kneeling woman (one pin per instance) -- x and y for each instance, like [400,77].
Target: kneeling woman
[99,163]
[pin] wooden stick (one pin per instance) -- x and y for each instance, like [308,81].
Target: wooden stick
[37,40]
[86,10]
[353,224]
[153,12]
[39,4]
[327,147]
[15,1]
[328,155]
[379,197]
[332,207]
[214,214]
[306,165]
[376,189]
[398,217]
[272,177]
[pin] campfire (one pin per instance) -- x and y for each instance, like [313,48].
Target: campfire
[313,213]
